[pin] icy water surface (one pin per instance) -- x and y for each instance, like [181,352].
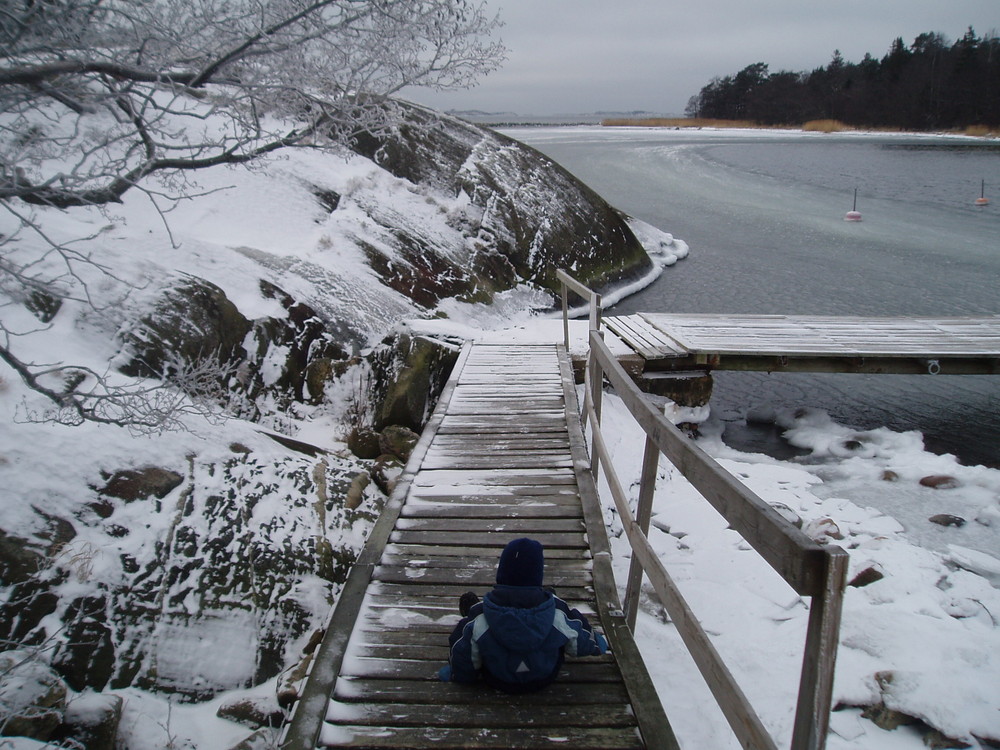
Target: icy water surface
[763,214]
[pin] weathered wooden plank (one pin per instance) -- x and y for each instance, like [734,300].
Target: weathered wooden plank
[476,562]
[471,426]
[485,538]
[490,525]
[521,371]
[490,510]
[364,636]
[395,669]
[501,460]
[548,442]
[521,367]
[490,410]
[442,611]
[511,387]
[446,596]
[498,435]
[481,448]
[491,553]
[538,421]
[503,442]
[358,689]
[523,497]
[553,482]
[471,577]
[444,715]
[495,508]
[503,394]
[486,738]
[436,653]
[497,478]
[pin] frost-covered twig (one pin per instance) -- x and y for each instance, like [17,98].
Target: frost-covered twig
[143,407]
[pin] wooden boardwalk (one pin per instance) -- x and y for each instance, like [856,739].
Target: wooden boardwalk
[502,457]
[964,345]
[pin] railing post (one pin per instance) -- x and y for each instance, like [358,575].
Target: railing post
[565,310]
[812,715]
[595,311]
[644,511]
[596,396]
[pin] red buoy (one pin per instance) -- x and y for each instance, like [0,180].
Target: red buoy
[982,200]
[854,214]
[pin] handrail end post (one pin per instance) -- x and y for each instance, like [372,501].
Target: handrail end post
[564,293]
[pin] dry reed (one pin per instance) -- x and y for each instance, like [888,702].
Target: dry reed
[981,131]
[825,126]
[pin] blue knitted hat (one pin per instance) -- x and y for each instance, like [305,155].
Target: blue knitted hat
[521,564]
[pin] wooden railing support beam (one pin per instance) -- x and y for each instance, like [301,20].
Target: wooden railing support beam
[566,284]
[812,715]
[644,512]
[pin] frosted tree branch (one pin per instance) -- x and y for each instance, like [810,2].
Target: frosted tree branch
[173,86]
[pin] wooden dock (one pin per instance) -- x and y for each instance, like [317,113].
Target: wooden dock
[796,343]
[502,457]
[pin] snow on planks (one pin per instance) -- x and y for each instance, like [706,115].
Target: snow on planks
[849,336]
[499,465]
[814,343]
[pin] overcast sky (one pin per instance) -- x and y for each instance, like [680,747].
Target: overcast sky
[577,56]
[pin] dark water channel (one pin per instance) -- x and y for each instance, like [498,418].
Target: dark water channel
[763,214]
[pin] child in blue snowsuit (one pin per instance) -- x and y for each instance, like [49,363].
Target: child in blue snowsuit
[516,638]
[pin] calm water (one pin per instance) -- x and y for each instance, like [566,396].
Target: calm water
[763,214]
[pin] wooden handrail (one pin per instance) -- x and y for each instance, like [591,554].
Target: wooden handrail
[566,284]
[809,568]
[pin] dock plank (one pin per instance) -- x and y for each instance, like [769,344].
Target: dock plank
[482,738]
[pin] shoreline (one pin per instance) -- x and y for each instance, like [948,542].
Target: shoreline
[812,126]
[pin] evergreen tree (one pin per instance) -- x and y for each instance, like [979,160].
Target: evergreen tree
[930,84]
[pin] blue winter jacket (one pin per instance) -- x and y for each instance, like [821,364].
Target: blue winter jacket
[516,638]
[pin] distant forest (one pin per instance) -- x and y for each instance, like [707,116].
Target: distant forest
[930,85]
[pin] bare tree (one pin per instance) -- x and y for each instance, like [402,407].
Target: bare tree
[98,97]
[95,95]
